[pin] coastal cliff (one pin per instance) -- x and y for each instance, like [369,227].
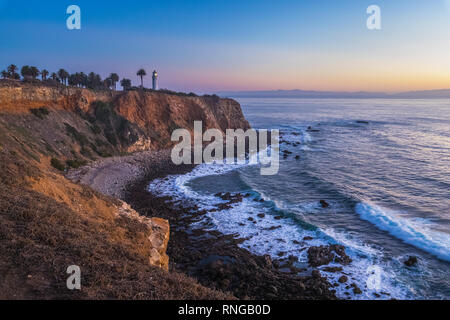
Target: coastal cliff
[48,222]
[118,122]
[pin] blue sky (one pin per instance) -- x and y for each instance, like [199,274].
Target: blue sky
[206,46]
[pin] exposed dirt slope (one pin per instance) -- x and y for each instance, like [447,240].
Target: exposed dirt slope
[48,223]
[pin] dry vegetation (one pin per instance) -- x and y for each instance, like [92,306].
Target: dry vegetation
[48,223]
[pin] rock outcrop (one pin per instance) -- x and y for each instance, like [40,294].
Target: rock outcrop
[158,235]
[159,114]
[16,97]
[323,255]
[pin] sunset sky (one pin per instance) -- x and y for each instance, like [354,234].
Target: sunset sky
[207,46]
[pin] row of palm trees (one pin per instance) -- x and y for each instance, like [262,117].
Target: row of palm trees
[78,79]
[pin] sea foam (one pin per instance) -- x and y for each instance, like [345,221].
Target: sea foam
[262,238]
[414,232]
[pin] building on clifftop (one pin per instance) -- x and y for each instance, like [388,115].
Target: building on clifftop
[155,80]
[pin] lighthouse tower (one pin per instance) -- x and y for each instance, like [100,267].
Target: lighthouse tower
[155,80]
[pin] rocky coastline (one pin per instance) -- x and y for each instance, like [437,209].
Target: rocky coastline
[214,259]
[110,146]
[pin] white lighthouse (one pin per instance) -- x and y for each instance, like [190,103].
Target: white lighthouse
[155,80]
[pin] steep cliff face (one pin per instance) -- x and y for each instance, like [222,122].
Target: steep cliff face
[48,222]
[117,122]
[159,114]
[19,98]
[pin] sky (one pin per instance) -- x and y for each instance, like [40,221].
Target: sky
[221,45]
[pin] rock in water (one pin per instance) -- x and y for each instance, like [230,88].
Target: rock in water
[316,274]
[318,256]
[267,260]
[324,204]
[412,261]
[356,289]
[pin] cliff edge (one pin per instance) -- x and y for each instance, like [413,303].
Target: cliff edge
[114,122]
[48,223]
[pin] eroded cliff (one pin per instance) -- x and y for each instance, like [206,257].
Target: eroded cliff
[108,122]
[48,222]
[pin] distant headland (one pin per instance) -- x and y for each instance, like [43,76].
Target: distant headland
[423,94]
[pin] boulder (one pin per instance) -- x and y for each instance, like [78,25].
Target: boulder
[158,235]
[323,255]
[356,289]
[316,274]
[324,204]
[411,261]
[332,269]
[267,260]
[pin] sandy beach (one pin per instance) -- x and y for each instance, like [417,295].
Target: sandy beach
[110,176]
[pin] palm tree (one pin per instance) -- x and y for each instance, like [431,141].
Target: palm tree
[5,74]
[44,74]
[54,76]
[98,81]
[126,84]
[26,72]
[94,81]
[141,73]
[108,83]
[91,80]
[83,79]
[12,68]
[34,72]
[73,80]
[63,75]
[114,78]
[76,79]
[79,79]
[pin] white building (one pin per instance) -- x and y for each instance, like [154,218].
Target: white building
[155,80]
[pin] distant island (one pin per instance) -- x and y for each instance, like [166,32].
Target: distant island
[423,94]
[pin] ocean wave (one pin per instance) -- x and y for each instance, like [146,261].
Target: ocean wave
[412,231]
[270,235]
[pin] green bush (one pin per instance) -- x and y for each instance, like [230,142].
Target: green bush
[41,112]
[86,152]
[76,163]
[96,129]
[57,164]
[110,136]
[79,137]
[103,111]
[104,154]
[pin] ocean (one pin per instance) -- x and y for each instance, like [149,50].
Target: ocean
[383,166]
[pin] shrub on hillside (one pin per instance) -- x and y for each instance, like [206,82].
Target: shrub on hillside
[79,137]
[57,164]
[76,163]
[96,129]
[41,112]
